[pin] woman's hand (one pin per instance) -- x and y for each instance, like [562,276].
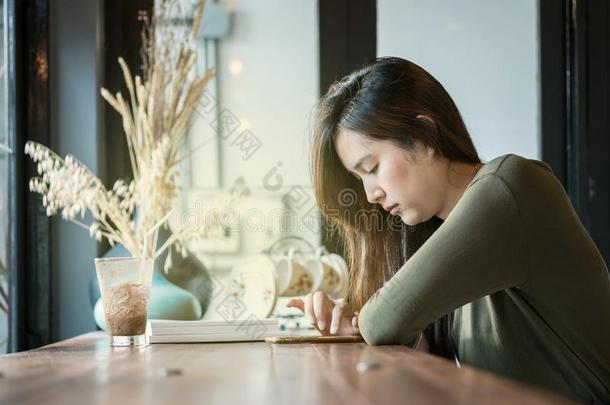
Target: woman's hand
[328,316]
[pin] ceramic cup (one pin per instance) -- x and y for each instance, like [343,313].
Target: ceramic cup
[295,275]
[335,275]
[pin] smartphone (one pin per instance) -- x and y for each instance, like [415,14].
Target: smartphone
[315,339]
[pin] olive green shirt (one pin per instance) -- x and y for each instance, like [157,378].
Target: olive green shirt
[530,290]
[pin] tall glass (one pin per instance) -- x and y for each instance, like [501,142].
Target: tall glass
[125,289]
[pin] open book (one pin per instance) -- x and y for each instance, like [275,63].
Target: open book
[239,330]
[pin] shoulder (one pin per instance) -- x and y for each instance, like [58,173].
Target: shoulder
[516,170]
[511,163]
[528,182]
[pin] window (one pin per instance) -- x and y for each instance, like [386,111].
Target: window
[485,54]
[5,151]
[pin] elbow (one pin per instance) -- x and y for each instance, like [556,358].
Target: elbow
[372,340]
[377,337]
[388,336]
[366,333]
[380,329]
[375,331]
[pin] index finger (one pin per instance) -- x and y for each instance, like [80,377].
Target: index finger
[296,303]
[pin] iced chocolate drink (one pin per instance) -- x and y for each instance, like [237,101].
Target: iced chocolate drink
[126,308]
[125,288]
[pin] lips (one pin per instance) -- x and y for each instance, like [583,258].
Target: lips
[392,209]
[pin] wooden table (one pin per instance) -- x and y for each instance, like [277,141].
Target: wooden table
[86,370]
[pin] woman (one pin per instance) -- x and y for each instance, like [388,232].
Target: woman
[488,262]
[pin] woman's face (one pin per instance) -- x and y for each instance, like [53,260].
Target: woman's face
[411,184]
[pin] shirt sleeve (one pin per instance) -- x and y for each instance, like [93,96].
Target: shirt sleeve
[478,250]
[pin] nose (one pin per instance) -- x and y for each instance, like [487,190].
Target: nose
[374,195]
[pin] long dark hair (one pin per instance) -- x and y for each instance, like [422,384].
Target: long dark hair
[383,100]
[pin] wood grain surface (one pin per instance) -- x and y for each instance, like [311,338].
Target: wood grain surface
[86,370]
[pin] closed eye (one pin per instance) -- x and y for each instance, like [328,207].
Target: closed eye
[372,171]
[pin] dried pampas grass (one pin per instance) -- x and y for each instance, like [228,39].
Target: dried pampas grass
[155,116]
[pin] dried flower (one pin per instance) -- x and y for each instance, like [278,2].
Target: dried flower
[155,116]
[68,186]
